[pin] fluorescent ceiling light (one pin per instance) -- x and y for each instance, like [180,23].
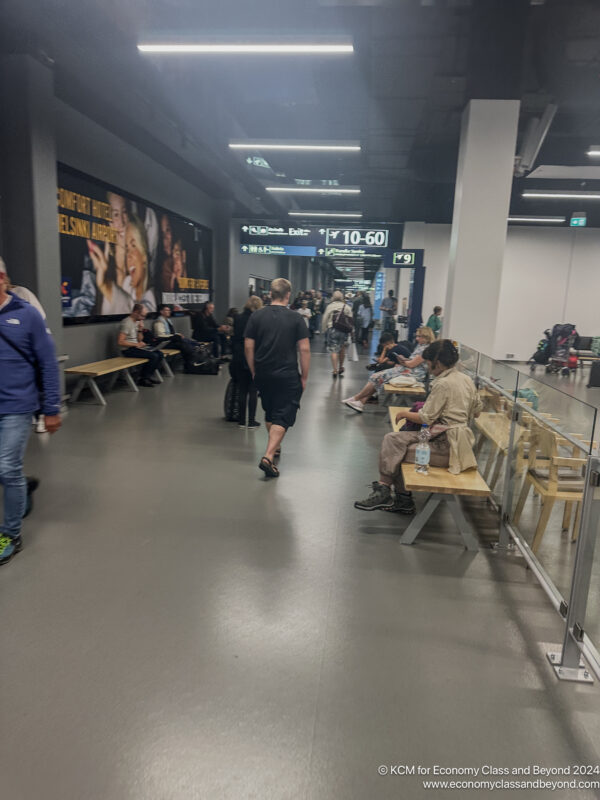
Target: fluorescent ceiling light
[557,194]
[314,190]
[250,49]
[537,219]
[594,150]
[301,146]
[332,214]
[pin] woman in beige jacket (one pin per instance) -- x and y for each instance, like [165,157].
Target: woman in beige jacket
[448,411]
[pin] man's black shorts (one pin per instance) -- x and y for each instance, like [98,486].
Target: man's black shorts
[280,398]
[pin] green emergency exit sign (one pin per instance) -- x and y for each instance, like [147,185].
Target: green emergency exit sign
[579,221]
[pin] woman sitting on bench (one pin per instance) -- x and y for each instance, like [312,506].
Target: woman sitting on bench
[451,406]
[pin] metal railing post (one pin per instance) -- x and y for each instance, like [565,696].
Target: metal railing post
[567,662]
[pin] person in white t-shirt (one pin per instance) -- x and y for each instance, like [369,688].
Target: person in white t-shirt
[305,313]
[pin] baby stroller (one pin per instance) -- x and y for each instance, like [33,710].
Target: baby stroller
[555,350]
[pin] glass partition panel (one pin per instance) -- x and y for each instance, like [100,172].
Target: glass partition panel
[592,617]
[548,460]
[468,359]
[498,385]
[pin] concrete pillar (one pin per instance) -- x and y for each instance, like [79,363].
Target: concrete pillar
[28,182]
[481,205]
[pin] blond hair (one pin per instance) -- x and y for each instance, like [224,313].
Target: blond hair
[337,295]
[280,288]
[253,303]
[426,333]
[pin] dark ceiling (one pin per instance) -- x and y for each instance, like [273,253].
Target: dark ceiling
[416,65]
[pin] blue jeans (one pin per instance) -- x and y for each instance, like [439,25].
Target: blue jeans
[14,433]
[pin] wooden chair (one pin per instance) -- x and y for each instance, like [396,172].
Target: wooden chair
[553,477]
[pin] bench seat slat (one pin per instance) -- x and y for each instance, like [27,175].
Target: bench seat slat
[96,368]
[440,481]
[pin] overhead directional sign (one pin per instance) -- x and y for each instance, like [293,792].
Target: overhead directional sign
[369,244]
[404,258]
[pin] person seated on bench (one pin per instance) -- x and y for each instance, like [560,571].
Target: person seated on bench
[131,344]
[164,331]
[206,328]
[377,381]
[452,404]
[387,350]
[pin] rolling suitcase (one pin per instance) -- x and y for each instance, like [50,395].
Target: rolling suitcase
[594,379]
[232,401]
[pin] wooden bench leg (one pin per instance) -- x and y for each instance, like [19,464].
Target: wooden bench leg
[566,523]
[577,522]
[129,380]
[521,503]
[491,457]
[497,469]
[416,526]
[469,540]
[542,523]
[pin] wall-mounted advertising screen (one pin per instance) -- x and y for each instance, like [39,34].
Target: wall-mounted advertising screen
[117,249]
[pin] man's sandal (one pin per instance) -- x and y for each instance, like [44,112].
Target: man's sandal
[268,467]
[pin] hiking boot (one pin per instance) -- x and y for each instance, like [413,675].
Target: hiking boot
[380,497]
[9,548]
[403,504]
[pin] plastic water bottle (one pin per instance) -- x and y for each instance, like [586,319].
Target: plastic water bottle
[423,451]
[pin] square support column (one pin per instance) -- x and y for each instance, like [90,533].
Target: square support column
[481,205]
[28,183]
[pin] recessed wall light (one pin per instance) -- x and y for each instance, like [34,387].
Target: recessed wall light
[594,150]
[247,48]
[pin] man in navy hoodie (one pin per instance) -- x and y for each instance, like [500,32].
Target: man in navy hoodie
[29,382]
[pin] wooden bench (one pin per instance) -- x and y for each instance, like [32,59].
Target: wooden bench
[397,426]
[96,369]
[410,391]
[168,353]
[442,486]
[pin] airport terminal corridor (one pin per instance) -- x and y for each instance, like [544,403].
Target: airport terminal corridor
[181,627]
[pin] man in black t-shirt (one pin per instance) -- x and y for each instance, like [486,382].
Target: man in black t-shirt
[274,337]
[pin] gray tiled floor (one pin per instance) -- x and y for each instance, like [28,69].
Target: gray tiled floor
[179,628]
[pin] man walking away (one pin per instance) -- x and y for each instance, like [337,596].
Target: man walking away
[131,344]
[273,338]
[28,381]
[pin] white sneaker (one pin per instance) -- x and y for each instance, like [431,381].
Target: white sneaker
[41,425]
[356,405]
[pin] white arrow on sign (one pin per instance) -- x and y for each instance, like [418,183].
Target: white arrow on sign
[321,251]
[322,231]
[244,248]
[245,229]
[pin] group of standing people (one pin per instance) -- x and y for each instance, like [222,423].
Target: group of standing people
[310,305]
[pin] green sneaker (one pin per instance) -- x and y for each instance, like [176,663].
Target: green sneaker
[380,497]
[9,548]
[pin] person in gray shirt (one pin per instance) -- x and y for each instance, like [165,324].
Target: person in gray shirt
[131,344]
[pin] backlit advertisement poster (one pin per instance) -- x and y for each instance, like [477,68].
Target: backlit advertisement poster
[117,250]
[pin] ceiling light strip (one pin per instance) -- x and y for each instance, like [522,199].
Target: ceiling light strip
[342,148]
[549,220]
[332,214]
[558,195]
[247,49]
[313,190]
